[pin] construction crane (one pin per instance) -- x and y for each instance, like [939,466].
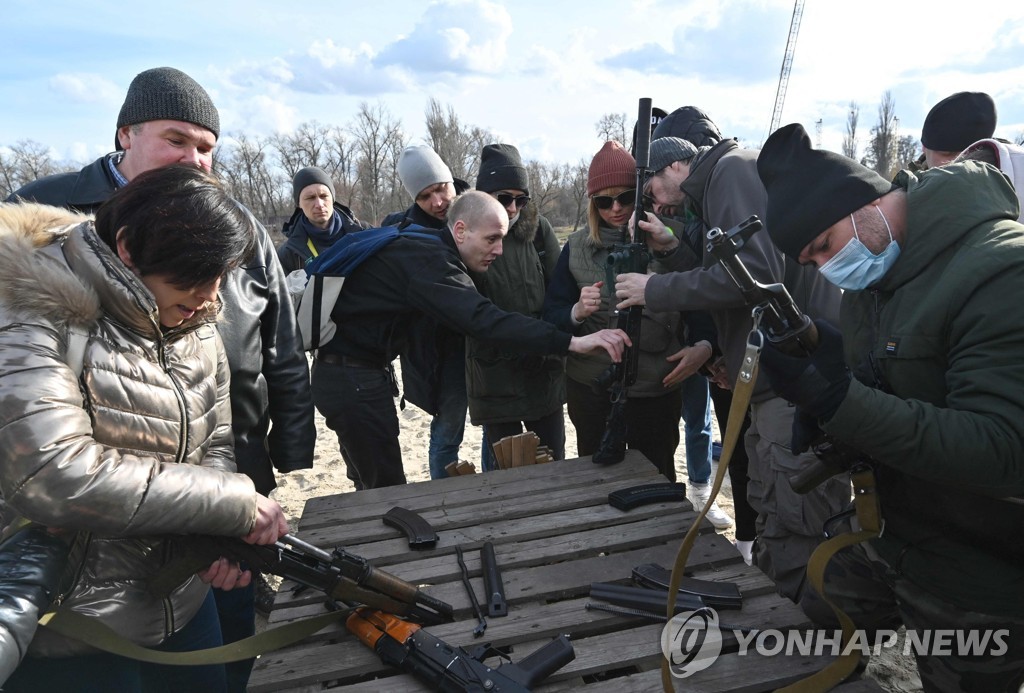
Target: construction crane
[787,64]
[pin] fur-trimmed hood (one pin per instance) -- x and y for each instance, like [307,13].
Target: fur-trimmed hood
[525,228]
[54,266]
[41,283]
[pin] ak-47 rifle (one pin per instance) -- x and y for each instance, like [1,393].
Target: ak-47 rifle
[626,258]
[443,667]
[778,319]
[340,575]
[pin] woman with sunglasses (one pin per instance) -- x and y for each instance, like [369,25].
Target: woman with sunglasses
[578,302]
[509,392]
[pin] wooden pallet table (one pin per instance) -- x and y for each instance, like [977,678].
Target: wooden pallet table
[554,533]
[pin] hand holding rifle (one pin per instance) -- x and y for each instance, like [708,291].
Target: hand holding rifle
[269,526]
[660,238]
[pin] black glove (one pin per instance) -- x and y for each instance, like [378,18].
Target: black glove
[805,432]
[817,383]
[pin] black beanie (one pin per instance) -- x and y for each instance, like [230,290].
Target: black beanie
[501,168]
[309,176]
[164,93]
[691,124]
[809,189]
[958,121]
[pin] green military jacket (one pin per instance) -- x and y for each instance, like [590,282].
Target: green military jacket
[937,348]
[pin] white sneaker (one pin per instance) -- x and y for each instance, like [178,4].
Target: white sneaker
[746,549]
[700,493]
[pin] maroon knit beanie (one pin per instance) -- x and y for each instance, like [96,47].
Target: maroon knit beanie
[612,166]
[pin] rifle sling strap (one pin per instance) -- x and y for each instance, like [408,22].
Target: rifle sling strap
[869,518]
[741,395]
[91,631]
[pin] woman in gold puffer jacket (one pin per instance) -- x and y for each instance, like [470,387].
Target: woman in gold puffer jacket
[135,442]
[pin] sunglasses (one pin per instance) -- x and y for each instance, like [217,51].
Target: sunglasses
[626,198]
[504,199]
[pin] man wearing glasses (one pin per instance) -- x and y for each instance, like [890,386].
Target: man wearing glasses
[512,391]
[720,186]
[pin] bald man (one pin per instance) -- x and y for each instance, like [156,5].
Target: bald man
[411,282]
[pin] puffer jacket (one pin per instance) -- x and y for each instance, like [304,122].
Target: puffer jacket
[32,563]
[269,374]
[140,445]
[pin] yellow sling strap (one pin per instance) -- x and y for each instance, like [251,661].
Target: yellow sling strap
[741,395]
[869,517]
[312,248]
[91,631]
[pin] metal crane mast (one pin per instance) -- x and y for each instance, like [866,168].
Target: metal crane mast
[787,64]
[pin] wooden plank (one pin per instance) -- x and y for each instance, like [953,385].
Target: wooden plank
[499,530]
[748,673]
[442,567]
[529,620]
[346,659]
[752,673]
[554,535]
[546,581]
[576,473]
[453,516]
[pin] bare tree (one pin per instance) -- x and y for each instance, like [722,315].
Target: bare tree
[311,144]
[882,147]
[1019,139]
[906,150]
[576,176]
[458,145]
[612,126]
[245,165]
[342,165]
[850,137]
[546,184]
[377,143]
[8,177]
[27,161]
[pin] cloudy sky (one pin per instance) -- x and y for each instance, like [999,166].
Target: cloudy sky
[538,73]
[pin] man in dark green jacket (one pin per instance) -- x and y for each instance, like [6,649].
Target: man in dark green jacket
[927,381]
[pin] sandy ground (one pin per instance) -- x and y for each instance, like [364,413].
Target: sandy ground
[896,673]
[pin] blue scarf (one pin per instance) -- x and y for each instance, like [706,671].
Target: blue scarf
[322,238]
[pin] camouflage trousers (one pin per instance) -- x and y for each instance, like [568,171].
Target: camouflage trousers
[876,597]
[790,525]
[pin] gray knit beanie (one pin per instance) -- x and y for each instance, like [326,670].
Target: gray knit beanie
[309,176]
[666,150]
[419,167]
[164,93]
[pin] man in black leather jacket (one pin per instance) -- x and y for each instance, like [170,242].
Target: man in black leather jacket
[167,118]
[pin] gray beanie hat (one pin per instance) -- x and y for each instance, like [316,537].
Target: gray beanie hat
[309,176]
[666,150]
[164,93]
[419,167]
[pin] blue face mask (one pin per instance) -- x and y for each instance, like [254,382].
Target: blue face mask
[855,267]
